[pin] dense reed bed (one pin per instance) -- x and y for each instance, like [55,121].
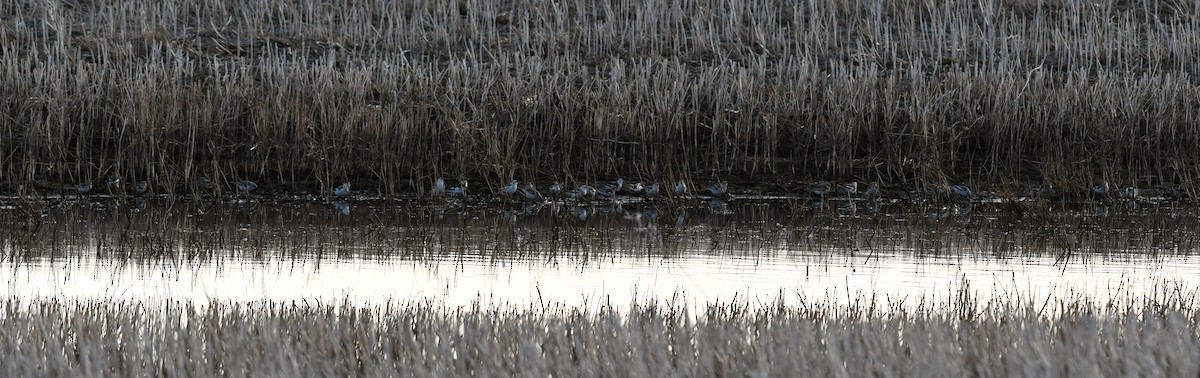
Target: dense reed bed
[768,93]
[961,336]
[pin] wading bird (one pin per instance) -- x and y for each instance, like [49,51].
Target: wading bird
[83,187]
[114,180]
[820,189]
[849,188]
[583,192]
[719,190]
[458,191]
[509,189]
[871,191]
[342,190]
[651,190]
[531,193]
[245,186]
[680,187]
[439,188]
[961,191]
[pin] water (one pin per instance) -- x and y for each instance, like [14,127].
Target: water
[507,253]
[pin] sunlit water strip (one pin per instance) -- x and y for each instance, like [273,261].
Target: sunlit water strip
[617,280]
[749,251]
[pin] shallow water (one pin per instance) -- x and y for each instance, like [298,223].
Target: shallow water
[375,251]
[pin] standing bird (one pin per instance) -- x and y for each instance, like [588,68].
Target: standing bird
[820,189]
[245,186]
[114,180]
[342,190]
[509,189]
[961,191]
[610,189]
[555,189]
[140,187]
[583,192]
[719,190]
[439,188]
[849,188]
[651,190]
[83,187]
[458,191]
[531,193]
[680,187]
[872,191]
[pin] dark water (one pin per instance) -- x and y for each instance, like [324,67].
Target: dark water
[373,251]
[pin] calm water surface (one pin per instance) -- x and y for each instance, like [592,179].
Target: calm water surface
[375,251]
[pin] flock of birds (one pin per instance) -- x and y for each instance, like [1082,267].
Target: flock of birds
[619,187]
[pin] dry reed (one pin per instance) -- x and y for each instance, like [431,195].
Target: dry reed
[304,95]
[963,335]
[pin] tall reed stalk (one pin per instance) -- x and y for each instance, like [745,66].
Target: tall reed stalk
[302,95]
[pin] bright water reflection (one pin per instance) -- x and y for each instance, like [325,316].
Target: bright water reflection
[743,250]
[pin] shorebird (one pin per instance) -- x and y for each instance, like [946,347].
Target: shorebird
[245,186]
[606,191]
[114,180]
[342,190]
[961,190]
[820,189]
[849,188]
[83,187]
[719,190]
[871,191]
[531,193]
[439,188]
[610,189]
[651,190]
[584,191]
[140,187]
[509,189]
[1131,192]
[680,187]
[555,189]
[458,191]
[1100,189]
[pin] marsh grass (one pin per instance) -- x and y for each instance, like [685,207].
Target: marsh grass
[961,335]
[304,95]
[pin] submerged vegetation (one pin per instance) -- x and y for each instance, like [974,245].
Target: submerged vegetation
[192,97]
[963,336]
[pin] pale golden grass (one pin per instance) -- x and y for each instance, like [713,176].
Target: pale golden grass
[303,95]
[961,336]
